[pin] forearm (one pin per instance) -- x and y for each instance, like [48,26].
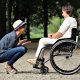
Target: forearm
[22,41]
[57,35]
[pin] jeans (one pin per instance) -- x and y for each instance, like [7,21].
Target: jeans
[12,55]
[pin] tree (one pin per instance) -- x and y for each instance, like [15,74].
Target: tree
[2,18]
[9,18]
[36,12]
[45,8]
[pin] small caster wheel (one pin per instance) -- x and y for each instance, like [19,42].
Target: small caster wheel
[44,70]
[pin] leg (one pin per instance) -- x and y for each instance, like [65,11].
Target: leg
[19,52]
[42,43]
[12,56]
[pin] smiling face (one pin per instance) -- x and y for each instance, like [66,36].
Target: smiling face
[64,14]
[68,11]
[22,29]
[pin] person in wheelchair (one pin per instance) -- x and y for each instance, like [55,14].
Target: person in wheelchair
[63,32]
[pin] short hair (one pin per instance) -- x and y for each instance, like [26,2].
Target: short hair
[69,10]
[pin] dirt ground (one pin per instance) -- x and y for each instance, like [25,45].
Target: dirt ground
[27,72]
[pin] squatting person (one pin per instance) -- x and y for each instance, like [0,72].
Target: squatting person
[11,49]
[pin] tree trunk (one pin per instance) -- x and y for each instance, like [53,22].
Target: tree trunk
[45,8]
[16,10]
[2,18]
[9,16]
[28,24]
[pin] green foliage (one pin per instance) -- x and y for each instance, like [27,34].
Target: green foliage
[33,13]
[36,32]
[78,13]
[78,16]
[54,24]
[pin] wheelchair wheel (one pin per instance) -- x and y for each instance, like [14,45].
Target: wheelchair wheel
[66,59]
[44,69]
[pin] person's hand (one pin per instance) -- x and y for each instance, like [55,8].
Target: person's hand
[57,35]
[26,42]
[50,35]
[22,41]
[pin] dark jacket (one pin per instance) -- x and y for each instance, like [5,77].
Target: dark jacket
[8,41]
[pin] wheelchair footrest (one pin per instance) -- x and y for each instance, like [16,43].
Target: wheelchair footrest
[43,69]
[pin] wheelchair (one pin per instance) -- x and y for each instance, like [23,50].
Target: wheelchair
[64,56]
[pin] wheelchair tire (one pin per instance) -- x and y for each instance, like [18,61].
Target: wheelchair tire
[66,61]
[44,70]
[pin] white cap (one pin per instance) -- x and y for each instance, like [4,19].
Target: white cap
[17,24]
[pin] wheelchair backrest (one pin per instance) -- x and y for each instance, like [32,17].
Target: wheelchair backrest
[74,34]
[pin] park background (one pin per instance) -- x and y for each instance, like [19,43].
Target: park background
[42,16]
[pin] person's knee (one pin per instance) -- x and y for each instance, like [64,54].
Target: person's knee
[42,40]
[24,49]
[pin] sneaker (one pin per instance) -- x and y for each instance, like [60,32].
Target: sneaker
[32,61]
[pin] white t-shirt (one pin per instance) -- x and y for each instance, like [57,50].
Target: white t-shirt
[67,26]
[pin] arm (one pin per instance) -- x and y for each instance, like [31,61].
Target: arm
[55,35]
[63,28]
[23,42]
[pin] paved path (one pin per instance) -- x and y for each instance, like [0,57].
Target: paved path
[26,71]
